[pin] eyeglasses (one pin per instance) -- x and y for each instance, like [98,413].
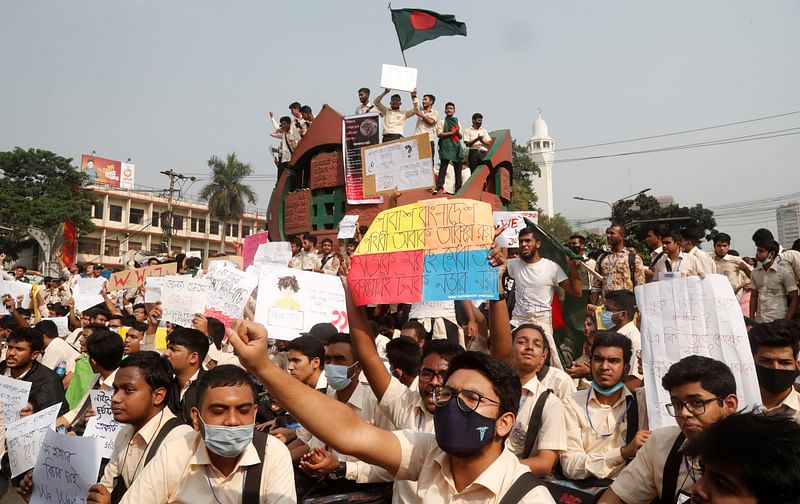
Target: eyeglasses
[467,400]
[427,374]
[694,406]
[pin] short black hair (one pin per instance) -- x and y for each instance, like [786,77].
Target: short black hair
[327,240]
[477,115]
[713,375]
[526,231]
[395,96]
[340,338]
[722,237]
[621,228]
[605,339]
[140,306]
[105,348]
[226,375]
[305,109]
[95,311]
[796,245]
[446,349]
[776,334]
[690,235]
[29,335]
[761,451]
[139,326]
[625,299]
[192,339]
[58,308]
[295,105]
[403,354]
[285,119]
[449,103]
[769,246]
[762,235]
[578,237]
[23,268]
[298,242]
[430,97]
[47,328]
[310,237]
[363,90]
[417,327]
[505,380]
[8,323]
[216,331]
[655,229]
[155,367]
[310,346]
[535,327]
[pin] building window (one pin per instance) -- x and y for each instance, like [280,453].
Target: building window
[132,245]
[97,210]
[155,219]
[213,227]
[198,225]
[136,216]
[89,246]
[112,248]
[232,230]
[176,250]
[245,231]
[177,222]
[115,213]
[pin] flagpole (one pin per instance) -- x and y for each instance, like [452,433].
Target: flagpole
[398,39]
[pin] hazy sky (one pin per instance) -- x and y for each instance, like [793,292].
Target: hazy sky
[169,83]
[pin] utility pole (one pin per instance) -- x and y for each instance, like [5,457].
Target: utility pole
[166,227]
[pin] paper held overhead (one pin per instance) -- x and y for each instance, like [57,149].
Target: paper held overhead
[399,78]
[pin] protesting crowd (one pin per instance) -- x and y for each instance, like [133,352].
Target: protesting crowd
[441,401]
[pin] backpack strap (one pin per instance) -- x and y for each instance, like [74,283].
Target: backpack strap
[535,423]
[252,479]
[543,372]
[162,434]
[654,261]
[524,484]
[632,419]
[632,267]
[669,483]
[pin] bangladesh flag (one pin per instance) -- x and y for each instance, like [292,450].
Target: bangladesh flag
[415,26]
[568,313]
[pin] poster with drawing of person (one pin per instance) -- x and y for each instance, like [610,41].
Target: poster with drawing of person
[291,301]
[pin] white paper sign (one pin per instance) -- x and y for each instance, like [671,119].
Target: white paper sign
[182,297]
[291,301]
[102,425]
[692,316]
[152,289]
[516,222]
[62,323]
[65,469]
[398,77]
[24,438]
[228,293]
[278,253]
[347,227]
[87,292]
[398,166]
[13,396]
[14,289]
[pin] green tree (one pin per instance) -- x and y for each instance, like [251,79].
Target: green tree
[522,196]
[226,193]
[557,226]
[637,214]
[41,189]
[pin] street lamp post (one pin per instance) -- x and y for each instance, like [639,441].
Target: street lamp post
[610,204]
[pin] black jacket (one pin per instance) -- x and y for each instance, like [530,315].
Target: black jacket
[182,408]
[47,388]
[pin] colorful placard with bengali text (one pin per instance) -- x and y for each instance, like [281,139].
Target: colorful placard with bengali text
[432,250]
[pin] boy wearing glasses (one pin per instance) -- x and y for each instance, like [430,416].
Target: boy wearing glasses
[702,391]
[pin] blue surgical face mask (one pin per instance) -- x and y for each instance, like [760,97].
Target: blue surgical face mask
[607,318]
[227,441]
[607,391]
[336,374]
[461,432]
[766,261]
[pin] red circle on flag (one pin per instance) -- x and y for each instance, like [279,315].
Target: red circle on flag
[422,20]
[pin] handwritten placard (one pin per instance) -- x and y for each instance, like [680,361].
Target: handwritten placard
[327,170]
[13,396]
[278,253]
[65,469]
[135,277]
[102,425]
[228,293]
[87,292]
[291,301]
[250,247]
[401,165]
[182,297]
[692,316]
[15,289]
[297,212]
[515,222]
[398,77]
[433,250]
[152,289]
[24,438]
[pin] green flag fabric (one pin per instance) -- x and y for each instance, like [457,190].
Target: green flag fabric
[415,26]
[569,335]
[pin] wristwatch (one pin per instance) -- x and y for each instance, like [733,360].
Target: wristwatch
[341,471]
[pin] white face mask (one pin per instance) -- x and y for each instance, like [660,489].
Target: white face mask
[227,441]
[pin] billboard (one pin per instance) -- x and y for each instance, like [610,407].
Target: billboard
[108,171]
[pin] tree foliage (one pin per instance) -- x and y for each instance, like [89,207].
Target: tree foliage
[557,226]
[226,193]
[522,195]
[41,189]
[638,214]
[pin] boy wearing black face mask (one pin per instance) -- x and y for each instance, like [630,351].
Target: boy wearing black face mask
[775,348]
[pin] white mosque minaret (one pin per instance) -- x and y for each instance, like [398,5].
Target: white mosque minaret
[542,151]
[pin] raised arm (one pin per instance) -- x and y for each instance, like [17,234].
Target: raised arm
[378,99]
[340,427]
[364,346]
[572,285]
[499,322]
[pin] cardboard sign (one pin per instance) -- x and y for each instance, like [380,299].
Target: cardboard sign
[348,227]
[182,297]
[65,469]
[401,165]
[515,222]
[24,438]
[291,301]
[432,250]
[102,425]
[250,247]
[87,292]
[228,293]
[398,77]
[134,278]
[692,316]
[13,396]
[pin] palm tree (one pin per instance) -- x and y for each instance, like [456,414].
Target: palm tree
[226,193]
